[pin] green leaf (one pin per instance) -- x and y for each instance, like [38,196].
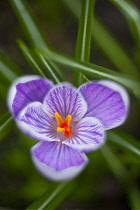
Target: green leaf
[6,123]
[83,43]
[8,72]
[113,50]
[3,90]
[51,198]
[31,58]
[134,197]
[84,32]
[114,163]
[106,42]
[94,71]
[123,176]
[29,23]
[44,67]
[132,15]
[125,142]
[51,68]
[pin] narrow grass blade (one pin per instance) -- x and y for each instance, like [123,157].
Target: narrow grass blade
[30,58]
[132,14]
[106,42]
[3,90]
[85,29]
[112,49]
[114,163]
[125,142]
[29,23]
[6,124]
[51,68]
[83,43]
[8,72]
[51,198]
[123,177]
[134,197]
[94,71]
[43,66]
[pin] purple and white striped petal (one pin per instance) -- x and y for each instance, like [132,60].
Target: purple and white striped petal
[65,100]
[25,90]
[106,101]
[36,123]
[88,135]
[57,161]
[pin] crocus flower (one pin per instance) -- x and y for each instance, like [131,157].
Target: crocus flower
[68,122]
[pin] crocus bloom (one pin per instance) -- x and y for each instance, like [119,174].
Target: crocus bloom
[68,122]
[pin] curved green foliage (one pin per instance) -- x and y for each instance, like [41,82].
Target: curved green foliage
[29,24]
[51,198]
[125,142]
[94,71]
[106,42]
[8,71]
[132,15]
[51,68]
[6,123]
[121,173]
[30,58]
[114,163]
[83,43]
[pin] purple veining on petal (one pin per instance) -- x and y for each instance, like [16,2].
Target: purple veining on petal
[28,92]
[94,107]
[38,153]
[58,156]
[36,123]
[88,135]
[65,100]
[104,103]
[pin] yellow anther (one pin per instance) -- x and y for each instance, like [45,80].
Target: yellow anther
[68,119]
[63,125]
[59,119]
[60,129]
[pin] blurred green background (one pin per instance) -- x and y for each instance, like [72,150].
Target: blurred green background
[111,179]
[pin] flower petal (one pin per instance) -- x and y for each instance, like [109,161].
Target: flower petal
[107,101]
[36,123]
[65,100]
[88,135]
[56,161]
[25,90]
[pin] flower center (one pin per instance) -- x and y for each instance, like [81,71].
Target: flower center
[64,125]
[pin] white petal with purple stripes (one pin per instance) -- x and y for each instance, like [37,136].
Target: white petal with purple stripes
[56,161]
[88,135]
[107,101]
[65,100]
[25,90]
[36,123]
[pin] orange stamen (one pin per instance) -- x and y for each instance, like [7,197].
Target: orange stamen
[64,125]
